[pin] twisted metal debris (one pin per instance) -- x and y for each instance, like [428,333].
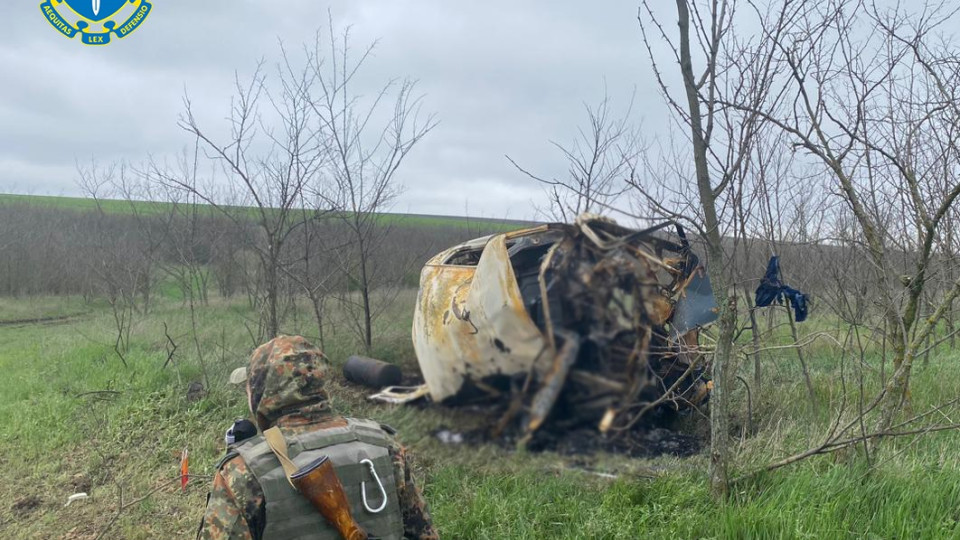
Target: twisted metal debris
[566,325]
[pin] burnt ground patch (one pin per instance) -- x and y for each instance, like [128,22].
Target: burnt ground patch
[475,423]
[25,505]
[638,443]
[645,442]
[662,432]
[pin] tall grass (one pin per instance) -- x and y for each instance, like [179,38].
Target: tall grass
[75,419]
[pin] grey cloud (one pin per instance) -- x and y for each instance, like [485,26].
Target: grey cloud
[503,77]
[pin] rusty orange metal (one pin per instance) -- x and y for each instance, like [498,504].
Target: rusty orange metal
[470,321]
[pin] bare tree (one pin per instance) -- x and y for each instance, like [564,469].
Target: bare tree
[120,266]
[774,212]
[316,280]
[186,238]
[876,123]
[599,160]
[721,143]
[364,159]
[269,159]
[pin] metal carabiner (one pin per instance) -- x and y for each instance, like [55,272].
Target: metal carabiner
[363,489]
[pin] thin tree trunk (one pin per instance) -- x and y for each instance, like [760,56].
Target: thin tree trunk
[927,342]
[367,318]
[897,390]
[951,329]
[196,342]
[719,479]
[883,355]
[364,288]
[318,314]
[803,361]
[272,293]
[755,338]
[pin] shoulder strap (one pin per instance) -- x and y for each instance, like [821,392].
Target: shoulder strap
[223,461]
[279,447]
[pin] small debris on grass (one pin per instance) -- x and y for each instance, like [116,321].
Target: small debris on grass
[449,437]
[600,474]
[401,394]
[76,497]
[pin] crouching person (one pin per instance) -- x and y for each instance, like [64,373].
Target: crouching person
[253,495]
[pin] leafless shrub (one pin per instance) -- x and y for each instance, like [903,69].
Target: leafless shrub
[599,161]
[362,163]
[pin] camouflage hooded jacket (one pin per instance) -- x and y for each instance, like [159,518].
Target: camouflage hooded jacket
[285,383]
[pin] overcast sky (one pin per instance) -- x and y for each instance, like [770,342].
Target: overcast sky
[503,77]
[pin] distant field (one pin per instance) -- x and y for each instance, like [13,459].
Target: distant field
[148,207]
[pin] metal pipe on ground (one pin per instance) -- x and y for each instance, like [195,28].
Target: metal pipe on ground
[371,372]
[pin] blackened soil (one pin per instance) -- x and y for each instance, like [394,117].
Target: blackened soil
[25,505]
[647,443]
[638,443]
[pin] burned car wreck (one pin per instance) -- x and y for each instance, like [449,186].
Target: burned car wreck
[573,324]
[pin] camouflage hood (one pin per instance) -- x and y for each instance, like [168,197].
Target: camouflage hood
[285,379]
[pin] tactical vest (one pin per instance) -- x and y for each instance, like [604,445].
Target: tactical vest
[289,516]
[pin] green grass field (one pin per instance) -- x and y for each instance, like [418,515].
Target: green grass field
[121,207]
[75,419]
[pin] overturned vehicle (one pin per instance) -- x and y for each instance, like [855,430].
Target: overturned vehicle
[572,324]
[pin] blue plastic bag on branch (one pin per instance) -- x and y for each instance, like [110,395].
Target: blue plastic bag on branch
[772,290]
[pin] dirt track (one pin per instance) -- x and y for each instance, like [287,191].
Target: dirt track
[42,320]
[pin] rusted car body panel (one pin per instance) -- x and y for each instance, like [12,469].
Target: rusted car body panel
[470,321]
[570,316]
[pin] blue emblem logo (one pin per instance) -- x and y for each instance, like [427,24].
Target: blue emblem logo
[96,20]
